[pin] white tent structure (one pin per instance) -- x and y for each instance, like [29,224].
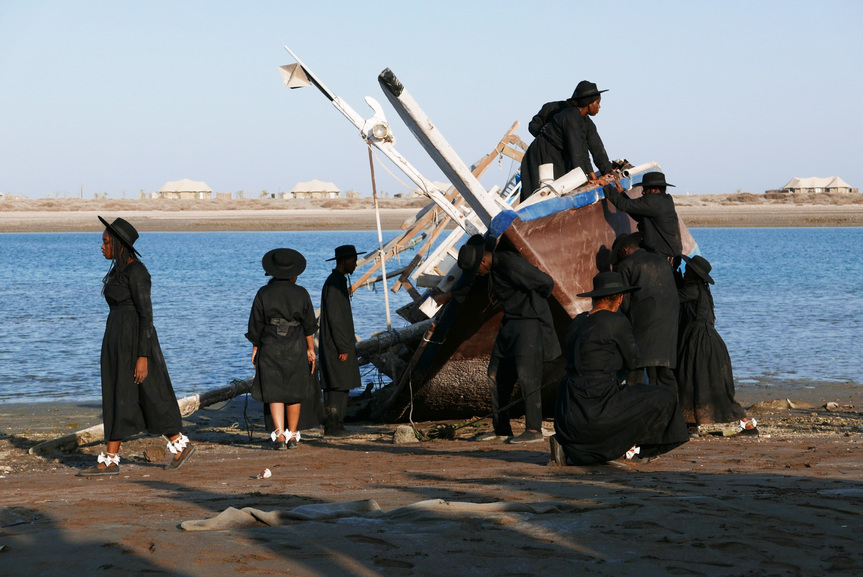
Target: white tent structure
[817,185]
[186,189]
[314,189]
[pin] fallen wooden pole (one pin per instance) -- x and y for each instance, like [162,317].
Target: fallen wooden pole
[188,406]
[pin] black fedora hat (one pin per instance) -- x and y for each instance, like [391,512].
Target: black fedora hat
[122,231]
[654,180]
[586,89]
[608,283]
[700,266]
[470,254]
[283,263]
[345,251]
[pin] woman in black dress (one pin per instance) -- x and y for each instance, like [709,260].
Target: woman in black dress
[281,329]
[136,390]
[705,382]
[596,418]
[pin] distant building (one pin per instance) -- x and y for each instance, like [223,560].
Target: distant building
[816,185]
[313,189]
[185,190]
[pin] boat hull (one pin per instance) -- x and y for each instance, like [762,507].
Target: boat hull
[449,380]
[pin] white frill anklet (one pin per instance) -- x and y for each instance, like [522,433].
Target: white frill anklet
[178,445]
[109,459]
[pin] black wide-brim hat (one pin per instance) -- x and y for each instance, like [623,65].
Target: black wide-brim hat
[122,231]
[283,263]
[654,180]
[470,254]
[586,89]
[608,283]
[345,251]
[700,266]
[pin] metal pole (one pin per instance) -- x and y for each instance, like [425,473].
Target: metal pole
[380,239]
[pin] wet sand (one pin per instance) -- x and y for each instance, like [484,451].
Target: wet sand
[786,503]
[70,215]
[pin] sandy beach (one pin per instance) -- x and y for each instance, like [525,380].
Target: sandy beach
[73,215]
[786,503]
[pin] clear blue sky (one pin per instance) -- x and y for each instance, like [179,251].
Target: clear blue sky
[118,96]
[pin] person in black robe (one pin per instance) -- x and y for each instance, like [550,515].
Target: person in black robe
[653,310]
[567,139]
[281,329]
[526,337]
[136,389]
[704,376]
[596,418]
[654,213]
[340,369]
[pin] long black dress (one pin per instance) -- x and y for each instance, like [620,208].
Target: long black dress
[704,377]
[282,317]
[129,408]
[337,337]
[596,419]
[567,141]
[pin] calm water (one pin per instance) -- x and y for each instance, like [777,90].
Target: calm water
[789,304]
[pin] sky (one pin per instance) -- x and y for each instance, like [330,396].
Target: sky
[106,97]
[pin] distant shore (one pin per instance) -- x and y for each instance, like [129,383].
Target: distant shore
[74,215]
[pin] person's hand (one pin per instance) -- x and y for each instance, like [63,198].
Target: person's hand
[343,357]
[310,355]
[140,370]
[441,298]
[254,354]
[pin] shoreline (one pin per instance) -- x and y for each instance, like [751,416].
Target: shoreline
[34,216]
[786,502]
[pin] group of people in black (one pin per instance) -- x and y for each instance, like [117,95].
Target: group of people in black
[137,393]
[643,365]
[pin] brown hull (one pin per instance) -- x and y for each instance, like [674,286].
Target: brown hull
[572,245]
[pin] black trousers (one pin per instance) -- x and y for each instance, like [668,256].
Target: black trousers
[503,375]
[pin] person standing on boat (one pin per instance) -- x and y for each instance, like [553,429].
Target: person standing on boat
[654,213]
[526,337]
[597,418]
[340,369]
[282,330]
[136,390]
[567,139]
[704,376]
[653,310]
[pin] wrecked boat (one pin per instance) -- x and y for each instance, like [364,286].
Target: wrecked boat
[566,228]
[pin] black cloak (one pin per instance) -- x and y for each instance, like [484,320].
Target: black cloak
[337,336]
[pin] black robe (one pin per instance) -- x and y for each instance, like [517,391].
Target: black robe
[523,291]
[337,336]
[567,141]
[596,419]
[129,408]
[282,317]
[656,218]
[704,377]
[654,309]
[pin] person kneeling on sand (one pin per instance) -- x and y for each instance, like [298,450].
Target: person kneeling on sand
[596,418]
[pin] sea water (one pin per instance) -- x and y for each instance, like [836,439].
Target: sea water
[789,304]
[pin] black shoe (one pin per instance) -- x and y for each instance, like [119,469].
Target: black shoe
[292,443]
[557,454]
[99,472]
[339,433]
[528,436]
